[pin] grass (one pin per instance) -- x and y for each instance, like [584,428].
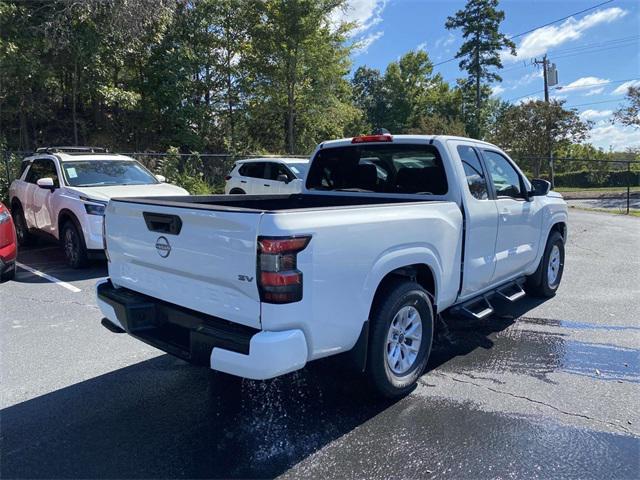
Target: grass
[611,211]
[598,189]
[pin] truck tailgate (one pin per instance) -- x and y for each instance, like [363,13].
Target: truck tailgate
[204,260]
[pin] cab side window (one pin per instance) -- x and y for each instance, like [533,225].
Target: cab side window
[476,180]
[506,179]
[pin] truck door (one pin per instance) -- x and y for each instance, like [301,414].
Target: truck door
[519,220]
[481,220]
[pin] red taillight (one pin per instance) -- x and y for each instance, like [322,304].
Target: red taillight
[227,178]
[279,279]
[372,138]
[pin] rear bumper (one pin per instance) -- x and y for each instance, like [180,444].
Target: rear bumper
[202,339]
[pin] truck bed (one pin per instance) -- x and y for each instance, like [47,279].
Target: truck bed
[268,203]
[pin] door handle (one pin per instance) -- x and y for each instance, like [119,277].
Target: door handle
[243,181]
[266,185]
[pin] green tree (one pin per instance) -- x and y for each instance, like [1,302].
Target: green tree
[629,114]
[480,53]
[522,130]
[369,96]
[298,91]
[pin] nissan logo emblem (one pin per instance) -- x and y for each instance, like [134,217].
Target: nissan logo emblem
[162,247]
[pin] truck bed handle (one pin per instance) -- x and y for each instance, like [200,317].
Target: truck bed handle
[163,223]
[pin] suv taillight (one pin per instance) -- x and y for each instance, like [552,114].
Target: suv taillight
[279,280]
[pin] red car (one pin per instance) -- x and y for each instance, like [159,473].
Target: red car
[8,245]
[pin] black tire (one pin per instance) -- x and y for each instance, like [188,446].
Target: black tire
[539,284]
[73,245]
[8,274]
[25,238]
[237,191]
[390,301]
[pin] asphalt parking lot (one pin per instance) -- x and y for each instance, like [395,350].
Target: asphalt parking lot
[545,389]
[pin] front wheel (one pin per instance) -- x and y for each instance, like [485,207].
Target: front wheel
[73,244]
[546,279]
[401,336]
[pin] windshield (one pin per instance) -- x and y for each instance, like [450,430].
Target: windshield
[98,173]
[384,168]
[300,169]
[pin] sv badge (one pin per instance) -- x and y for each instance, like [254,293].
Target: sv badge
[245,278]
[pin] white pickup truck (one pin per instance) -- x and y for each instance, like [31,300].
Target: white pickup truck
[389,232]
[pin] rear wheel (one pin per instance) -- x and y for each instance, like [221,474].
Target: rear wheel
[546,279]
[237,191]
[25,238]
[400,340]
[74,247]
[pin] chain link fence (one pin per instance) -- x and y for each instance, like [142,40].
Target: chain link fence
[576,178]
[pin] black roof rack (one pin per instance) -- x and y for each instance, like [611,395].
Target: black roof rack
[72,150]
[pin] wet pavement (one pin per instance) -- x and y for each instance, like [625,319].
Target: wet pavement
[543,390]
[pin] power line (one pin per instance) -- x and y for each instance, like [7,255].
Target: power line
[541,26]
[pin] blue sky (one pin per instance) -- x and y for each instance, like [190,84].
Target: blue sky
[597,53]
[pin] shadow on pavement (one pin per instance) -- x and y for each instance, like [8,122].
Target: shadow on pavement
[47,257]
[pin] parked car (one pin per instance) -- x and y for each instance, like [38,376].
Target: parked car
[266,175]
[8,245]
[62,192]
[389,232]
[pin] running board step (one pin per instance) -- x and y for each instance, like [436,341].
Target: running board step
[478,308]
[511,292]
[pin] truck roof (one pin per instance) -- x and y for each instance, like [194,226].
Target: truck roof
[405,139]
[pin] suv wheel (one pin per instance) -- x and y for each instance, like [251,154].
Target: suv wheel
[74,247]
[25,238]
[546,279]
[401,336]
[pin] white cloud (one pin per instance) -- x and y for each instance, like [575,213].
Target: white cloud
[365,42]
[622,89]
[595,114]
[445,41]
[527,99]
[618,137]
[422,46]
[541,40]
[364,13]
[592,84]
[497,90]
[526,79]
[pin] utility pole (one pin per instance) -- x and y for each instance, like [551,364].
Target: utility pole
[548,70]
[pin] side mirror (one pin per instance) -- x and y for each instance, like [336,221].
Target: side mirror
[161,178]
[283,178]
[46,183]
[540,187]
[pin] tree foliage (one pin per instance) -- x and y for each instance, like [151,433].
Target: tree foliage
[630,113]
[480,53]
[529,129]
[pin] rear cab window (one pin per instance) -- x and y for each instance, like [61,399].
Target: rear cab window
[379,168]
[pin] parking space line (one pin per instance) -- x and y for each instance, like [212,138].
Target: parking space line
[55,280]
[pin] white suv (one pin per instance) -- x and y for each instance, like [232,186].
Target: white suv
[267,175]
[62,192]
